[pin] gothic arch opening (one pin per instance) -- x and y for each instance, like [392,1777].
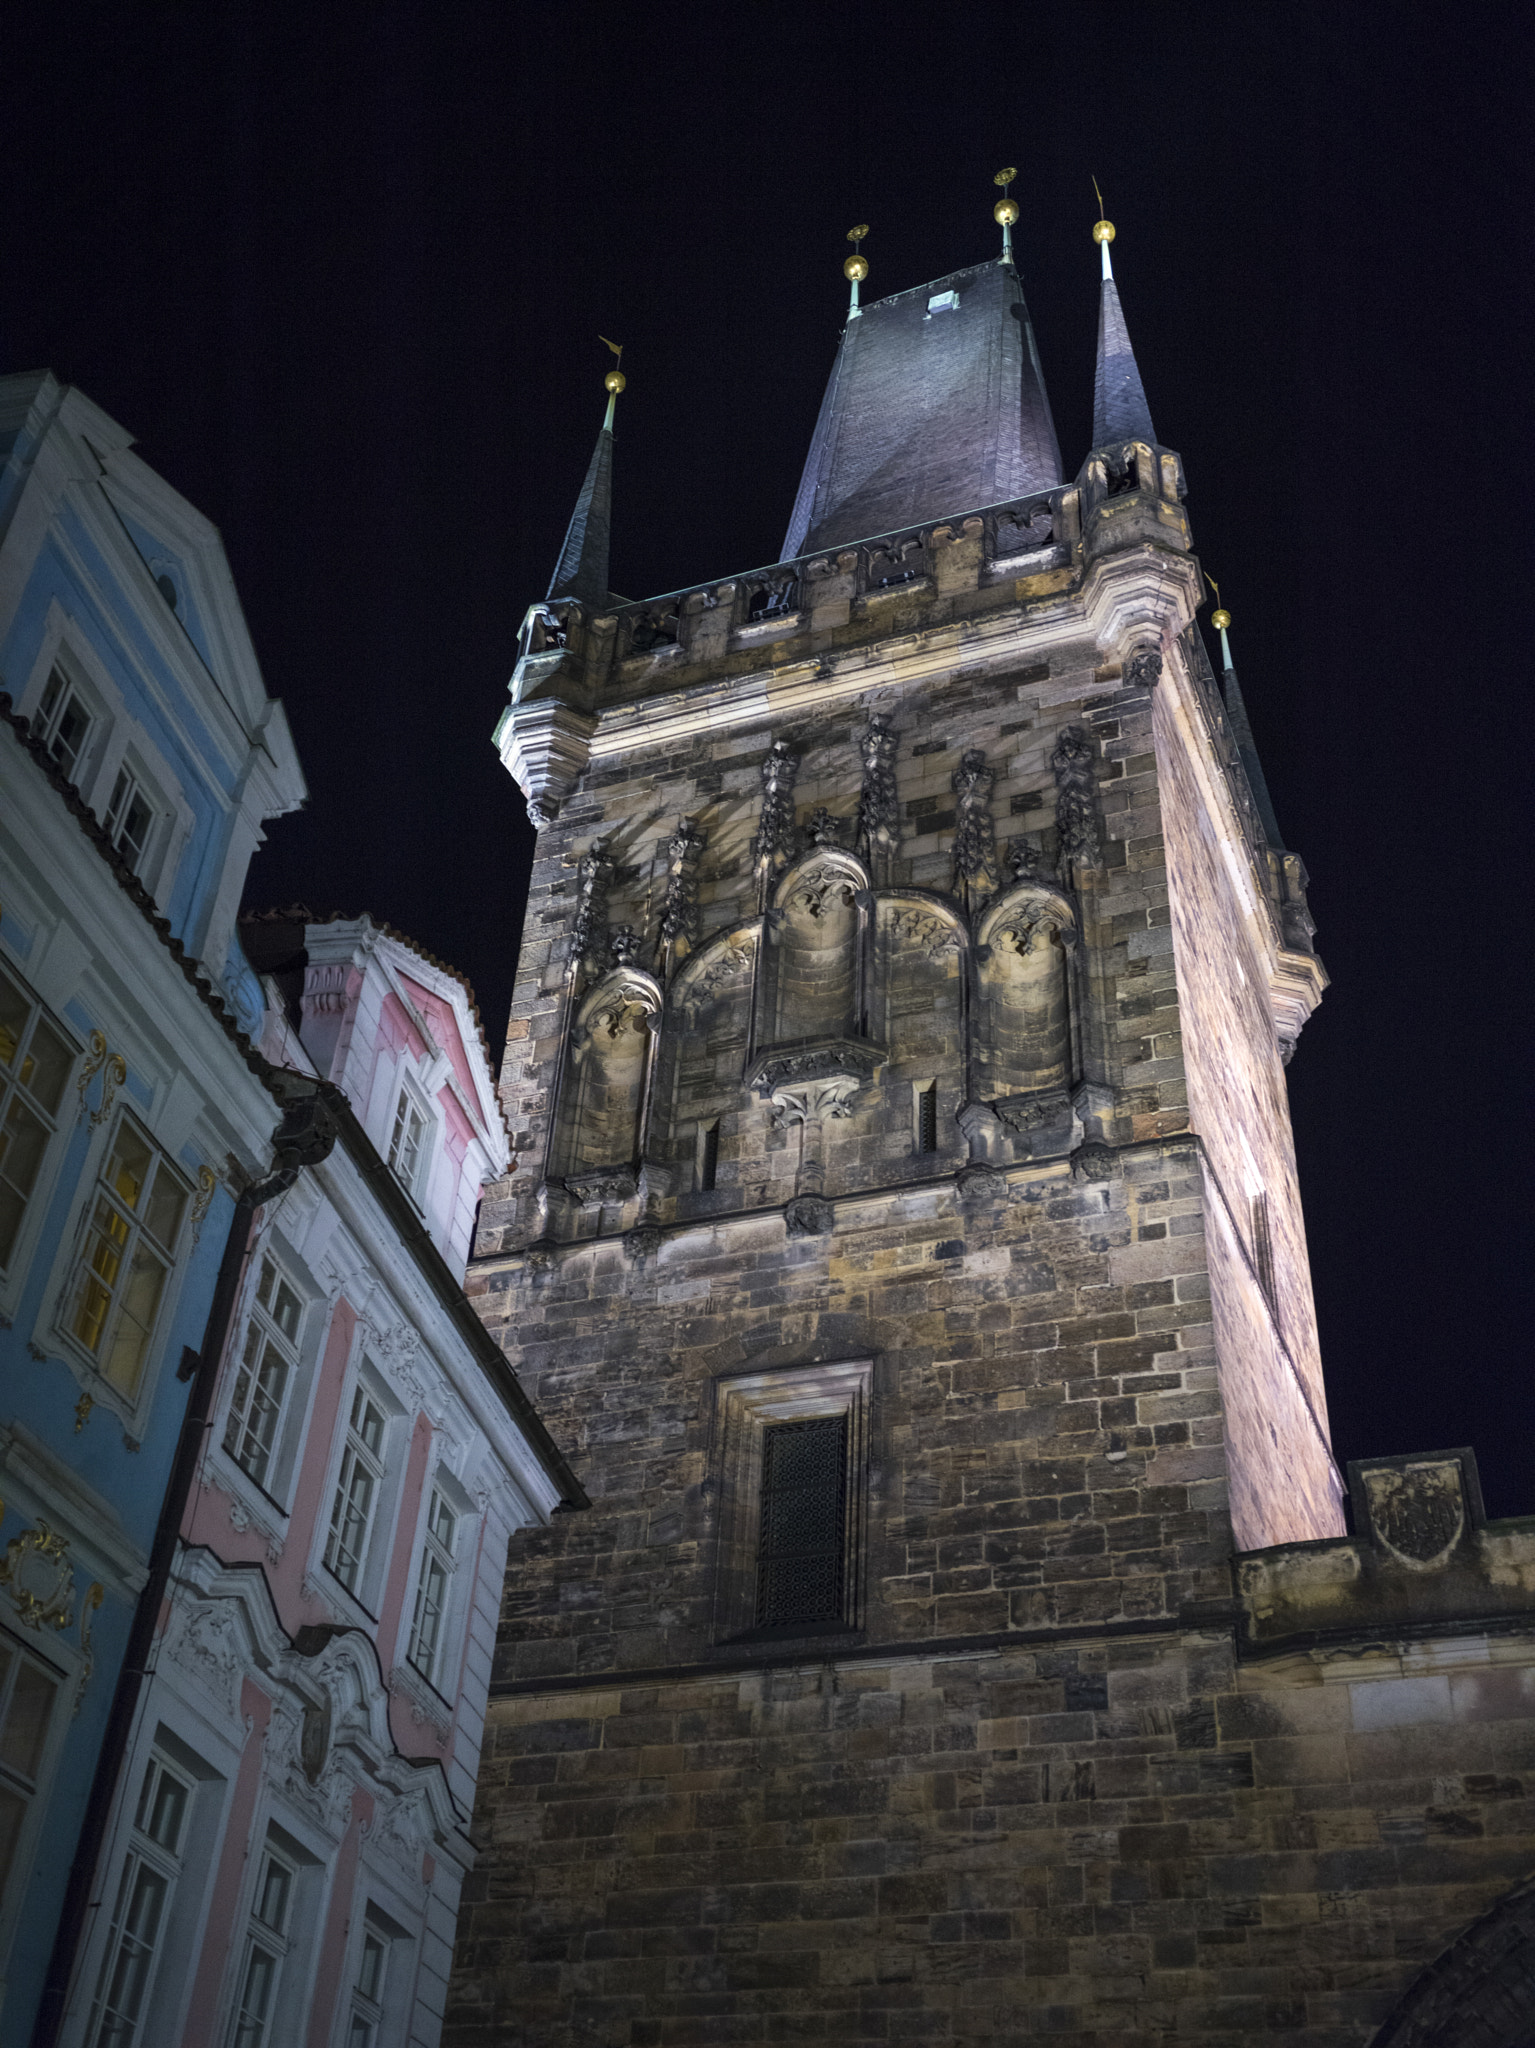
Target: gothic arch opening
[813,950]
[1480,1993]
[609,1064]
[1024,1023]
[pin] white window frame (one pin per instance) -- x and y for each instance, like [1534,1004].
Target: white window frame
[365,1383]
[383,2015]
[261,1336]
[280,1943]
[95,1189]
[37,1201]
[64,690]
[408,1098]
[441,1673]
[168,1863]
[132,781]
[13,1892]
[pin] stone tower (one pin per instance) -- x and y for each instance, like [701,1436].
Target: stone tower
[905,1243]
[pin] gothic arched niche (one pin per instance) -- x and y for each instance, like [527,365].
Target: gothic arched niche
[609,1059]
[1024,1037]
[919,956]
[813,949]
[704,1045]
[1480,1993]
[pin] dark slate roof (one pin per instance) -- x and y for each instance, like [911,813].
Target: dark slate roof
[583,565]
[1120,411]
[928,413]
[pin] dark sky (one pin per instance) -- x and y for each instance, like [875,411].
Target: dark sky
[343,269]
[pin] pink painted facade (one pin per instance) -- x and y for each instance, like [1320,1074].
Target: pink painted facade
[322,1668]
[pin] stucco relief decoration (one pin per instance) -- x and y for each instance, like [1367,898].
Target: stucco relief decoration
[594,877]
[96,1592]
[1076,803]
[1143,670]
[933,934]
[314,1739]
[400,1836]
[206,1641]
[1417,1512]
[878,835]
[975,843]
[679,913]
[774,845]
[325,989]
[207,1181]
[36,1572]
[113,1069]
[731,965]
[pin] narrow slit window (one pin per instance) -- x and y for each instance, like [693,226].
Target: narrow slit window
[927,1118]
[801,1561]
[709,1158]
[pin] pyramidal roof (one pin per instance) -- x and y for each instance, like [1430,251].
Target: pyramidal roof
[1120,411]
[582,570]
[935,406]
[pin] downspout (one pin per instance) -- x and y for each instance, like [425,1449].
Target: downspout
[304,1137]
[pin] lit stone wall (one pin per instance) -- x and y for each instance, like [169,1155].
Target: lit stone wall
[1284,1485]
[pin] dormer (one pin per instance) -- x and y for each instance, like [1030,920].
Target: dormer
[399,1033]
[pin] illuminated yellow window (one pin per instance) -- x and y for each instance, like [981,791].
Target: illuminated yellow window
[128,1252]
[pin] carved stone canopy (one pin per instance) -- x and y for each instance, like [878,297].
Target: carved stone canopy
[804,1082]
[608,1184]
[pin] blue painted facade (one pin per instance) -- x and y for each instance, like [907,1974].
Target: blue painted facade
[139,759]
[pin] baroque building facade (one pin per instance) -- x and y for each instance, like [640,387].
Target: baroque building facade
[965,1640]
[258,1457]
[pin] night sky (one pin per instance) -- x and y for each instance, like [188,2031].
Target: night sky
[343,269]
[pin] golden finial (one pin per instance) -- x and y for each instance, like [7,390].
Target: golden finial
[1005,212]
[1103,230]
[1220,619]
[856,268]
[615,380]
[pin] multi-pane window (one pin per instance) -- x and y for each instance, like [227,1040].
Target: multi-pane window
[367,2016]
[801,1542]
[129,1249]
[140,1910]
[405,1140]
[268,1361]
[266,1948]
[357,1490]
[62,723]
[129,818]
[34,1066]
[29,1692]
[433,1583]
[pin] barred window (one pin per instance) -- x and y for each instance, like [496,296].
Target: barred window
[126,1258]
[141,1907]
[267,1363]
[357,1490]
[433,1585]
[800,1550]
[35,1060]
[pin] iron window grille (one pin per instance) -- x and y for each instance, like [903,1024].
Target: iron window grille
[801,1546]
[927,1118]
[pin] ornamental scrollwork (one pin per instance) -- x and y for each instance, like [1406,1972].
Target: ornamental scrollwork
[41,1580]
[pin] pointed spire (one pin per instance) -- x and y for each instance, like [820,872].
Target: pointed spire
[856,268]
[1005,212]
[1241,728]
[582,570]
[1120,411]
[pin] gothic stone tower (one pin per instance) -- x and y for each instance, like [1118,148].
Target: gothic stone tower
[906,1246]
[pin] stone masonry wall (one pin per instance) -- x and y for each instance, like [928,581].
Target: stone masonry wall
[1124,1844]
[1285,1487]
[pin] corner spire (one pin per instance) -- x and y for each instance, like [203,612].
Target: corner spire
[582,570]
[1005,212]
[1241,728]
[1120,411]
[856,268]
